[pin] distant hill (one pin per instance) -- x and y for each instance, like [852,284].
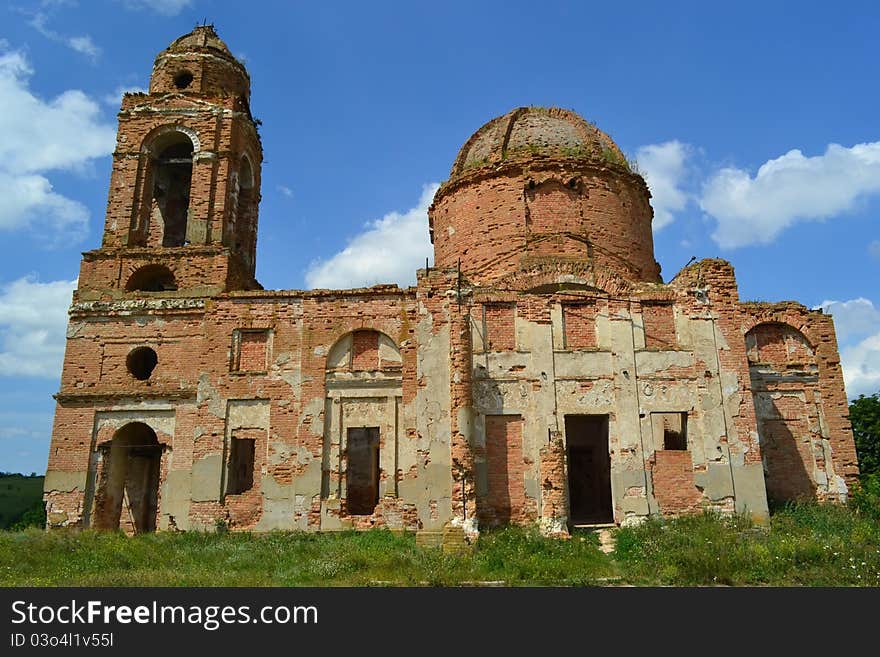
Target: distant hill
[18,494]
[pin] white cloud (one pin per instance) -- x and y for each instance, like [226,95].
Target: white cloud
[789,189]
[20,432]
[33,321]
[287,191]
[29,200]
[36,137]
[164,7]
[874,249]
[389,250]
[861,367]
[85,45]
[664,169]
[857,324]
[855,318]
[81,44]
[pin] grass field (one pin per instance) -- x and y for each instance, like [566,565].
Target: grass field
[18,494]
[814,545]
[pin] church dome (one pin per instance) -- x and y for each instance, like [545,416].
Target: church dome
[535,131]
[203,36]
[541,193]
[199,62]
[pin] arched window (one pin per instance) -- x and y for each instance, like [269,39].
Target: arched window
[151,278]
[162,196]
[171,178]
[243,230]
[165,207]
[245,189]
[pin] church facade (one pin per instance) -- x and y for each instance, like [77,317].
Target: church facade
[540,371]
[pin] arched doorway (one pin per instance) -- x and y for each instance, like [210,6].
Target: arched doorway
[362,421]
[128,492]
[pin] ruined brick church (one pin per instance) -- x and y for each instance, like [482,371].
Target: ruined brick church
[540,371]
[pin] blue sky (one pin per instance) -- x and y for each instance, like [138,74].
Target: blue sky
[756,125]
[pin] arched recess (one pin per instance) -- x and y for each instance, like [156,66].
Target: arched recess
[364,388]
[151,278]
[364,350]
[779,345]
[784,380]
[165,181]
[128,486]
[244,222]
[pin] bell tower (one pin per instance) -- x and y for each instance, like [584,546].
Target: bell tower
[185,186]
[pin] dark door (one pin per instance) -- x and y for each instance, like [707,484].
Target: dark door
[142,486]
[589,469]
[362,474]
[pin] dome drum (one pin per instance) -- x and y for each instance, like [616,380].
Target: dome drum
[546,185]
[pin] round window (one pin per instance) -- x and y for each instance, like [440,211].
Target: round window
[141,362]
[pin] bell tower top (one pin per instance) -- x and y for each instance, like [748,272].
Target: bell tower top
[184,195]
[200,63]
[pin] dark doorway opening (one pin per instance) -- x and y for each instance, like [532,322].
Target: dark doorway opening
[589,469]
[242,452]
[129,488]
[362,474]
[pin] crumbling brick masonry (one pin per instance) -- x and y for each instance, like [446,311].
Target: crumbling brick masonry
[542,371]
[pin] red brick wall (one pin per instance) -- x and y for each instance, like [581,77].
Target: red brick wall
[659,326]
[673,479]
[506,500]
[252,351]
[553,207]
[835,406]
[104,274]
[481,219]
[500,327]
[553,503]
[365,351]
[580,325]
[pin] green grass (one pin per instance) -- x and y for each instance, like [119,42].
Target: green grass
[377,557]
[806,545]
[18,494]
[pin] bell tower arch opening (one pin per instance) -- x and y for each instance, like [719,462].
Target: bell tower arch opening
[171,178]
[242,232]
